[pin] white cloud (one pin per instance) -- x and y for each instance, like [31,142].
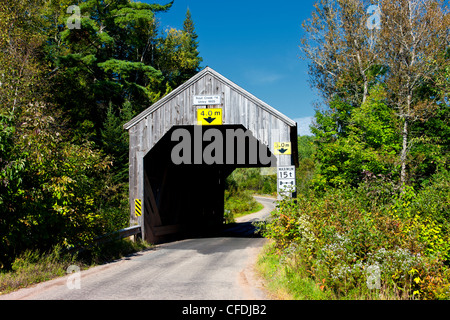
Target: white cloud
[303,126]
[269,78]
[262,77]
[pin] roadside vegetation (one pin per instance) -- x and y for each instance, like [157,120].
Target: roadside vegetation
[344,244]
[64,95]
[372,216]
[33,266]
[241,185]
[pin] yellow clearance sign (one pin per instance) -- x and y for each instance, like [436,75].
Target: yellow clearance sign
[209,117]
[282,148]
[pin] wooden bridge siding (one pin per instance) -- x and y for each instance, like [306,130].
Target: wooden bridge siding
[136,168]
[180,111]
[249,114]
[132,174]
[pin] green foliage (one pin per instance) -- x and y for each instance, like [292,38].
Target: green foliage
[350,143]
[251,179]
[179,54]
[190,47]
[307,167]
[336,237]
[54,197]
[11,165]
[115,143]
[425,214]
[374,192]
[430,146]
[32,267]
[238,203]
[115,139]
[64,96]
[240,187]
[116,55]
[306,147]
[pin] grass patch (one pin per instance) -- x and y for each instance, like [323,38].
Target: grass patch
[285,282]
[257,207]
[33,266]
[239,203]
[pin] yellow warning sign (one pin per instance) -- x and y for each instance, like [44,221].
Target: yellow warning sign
[209,117]
[282,148]
[138,207]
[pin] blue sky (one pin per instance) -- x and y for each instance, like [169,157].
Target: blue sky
[254,44]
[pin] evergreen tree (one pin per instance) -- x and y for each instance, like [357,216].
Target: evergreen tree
[178,56]
[191,46]
[115,139]
[63,152]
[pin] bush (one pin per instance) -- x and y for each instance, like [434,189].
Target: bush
[49,187]
[32,267]
[238,203]
[352,247]
[251,179]
[426,215]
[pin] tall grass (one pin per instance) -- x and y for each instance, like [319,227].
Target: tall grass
[285,282]
[336,239]
[34,266]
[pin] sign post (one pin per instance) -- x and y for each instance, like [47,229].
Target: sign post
[286,184]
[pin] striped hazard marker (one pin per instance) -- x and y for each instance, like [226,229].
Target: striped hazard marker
[138,207]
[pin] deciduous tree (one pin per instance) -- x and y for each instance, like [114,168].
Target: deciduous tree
[405,56]
[414,41]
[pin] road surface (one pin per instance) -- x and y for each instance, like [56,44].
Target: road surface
[194,269]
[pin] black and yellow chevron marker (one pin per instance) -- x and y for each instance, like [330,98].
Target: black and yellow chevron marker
[138,207]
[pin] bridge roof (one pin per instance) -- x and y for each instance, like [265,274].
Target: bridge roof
[209,72]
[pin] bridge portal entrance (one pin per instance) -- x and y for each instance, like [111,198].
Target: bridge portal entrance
[179,162]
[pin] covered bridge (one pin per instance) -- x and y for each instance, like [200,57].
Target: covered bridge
[184,146]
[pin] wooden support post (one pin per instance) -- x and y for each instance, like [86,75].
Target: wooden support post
[153,218]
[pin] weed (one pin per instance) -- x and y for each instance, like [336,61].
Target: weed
[352,248]
[32,267]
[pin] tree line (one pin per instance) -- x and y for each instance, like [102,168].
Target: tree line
[385,89]
[68,82]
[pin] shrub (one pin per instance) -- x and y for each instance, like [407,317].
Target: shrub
[426,215]
[33,266]
[353,248]
[238,203]
[251,179]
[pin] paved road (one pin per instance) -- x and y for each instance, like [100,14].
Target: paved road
[192,269]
